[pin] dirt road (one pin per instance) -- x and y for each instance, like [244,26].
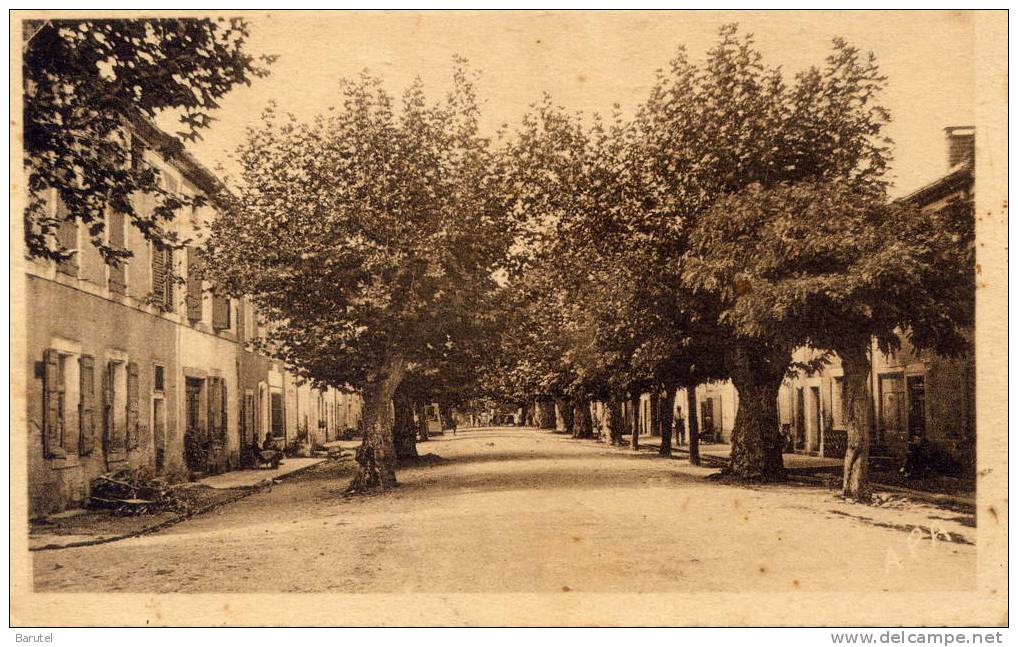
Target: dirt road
[509,510]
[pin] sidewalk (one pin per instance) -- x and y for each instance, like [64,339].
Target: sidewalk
[84,527]
[240,479]
[820,470]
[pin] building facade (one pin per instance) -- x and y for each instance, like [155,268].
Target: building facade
[141,366]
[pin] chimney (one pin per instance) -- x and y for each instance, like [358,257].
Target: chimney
[961,145]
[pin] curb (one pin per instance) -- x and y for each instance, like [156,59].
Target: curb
[966,504]
[245,492]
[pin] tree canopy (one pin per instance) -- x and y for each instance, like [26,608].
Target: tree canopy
[85,82]
[370,237]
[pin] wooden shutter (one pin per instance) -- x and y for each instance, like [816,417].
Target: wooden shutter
[224,411]
[220,312]
[86,409]
[115,224]
[194,267]
[162,277]
[133,405]
[67,237]
[241,320]
[112,437]
[53,416]
[215,406]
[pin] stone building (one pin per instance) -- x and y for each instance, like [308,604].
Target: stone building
[130,368]
[913,393]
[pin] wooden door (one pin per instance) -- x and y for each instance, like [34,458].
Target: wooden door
[891,429]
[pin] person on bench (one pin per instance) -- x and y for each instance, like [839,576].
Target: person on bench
[269,454]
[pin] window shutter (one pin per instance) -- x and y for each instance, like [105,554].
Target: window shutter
[220,312]
[223,411]
[162,279]
[137,153]
[53,389]
[111,437]
[132,405]
[86,410]
[67,237]
[241,320]
[215,407]
[194,268]
[115,224]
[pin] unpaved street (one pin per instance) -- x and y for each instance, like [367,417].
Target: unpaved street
[510,510]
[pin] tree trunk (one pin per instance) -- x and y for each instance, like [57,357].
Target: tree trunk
[634,405]
[583,422]
[545,414]
[857,410]
[692,424]
[616,424]
[445,416]
[564,411]
[421,410]
[404,431]
[377,455]
[756,436]
[667,419]
[526,418]
[654,424]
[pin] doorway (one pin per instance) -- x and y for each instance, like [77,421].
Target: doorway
[891,429]
[800,419]
[917,405]
[817,437]
[276,414]
[159,433]
[195,442]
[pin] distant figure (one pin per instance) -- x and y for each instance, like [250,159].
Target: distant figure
[680,429]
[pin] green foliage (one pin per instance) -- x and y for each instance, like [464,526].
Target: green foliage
[85,82]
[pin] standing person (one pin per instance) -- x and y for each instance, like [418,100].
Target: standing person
[680,427]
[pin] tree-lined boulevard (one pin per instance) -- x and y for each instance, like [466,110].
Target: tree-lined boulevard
[509,510]
[571,262]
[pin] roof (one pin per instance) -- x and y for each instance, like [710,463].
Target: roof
[960,177]
[173,151]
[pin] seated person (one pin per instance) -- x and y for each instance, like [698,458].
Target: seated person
[269,453]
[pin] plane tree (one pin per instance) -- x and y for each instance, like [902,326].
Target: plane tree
[824,265]
[713,130]
[369,235]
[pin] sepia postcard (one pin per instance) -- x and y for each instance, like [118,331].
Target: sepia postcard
[509,318]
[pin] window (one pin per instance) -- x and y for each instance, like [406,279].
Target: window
[162,278]
[137,152]
[217,403]
[159,432]
[86,405]
[276,414]
[54,403]
[158,378]
[220,312]
[115,223]
[193,299]
[115,407]
[67,237]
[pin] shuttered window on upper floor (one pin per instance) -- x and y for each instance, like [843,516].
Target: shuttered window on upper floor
[162,278]
[67,237]
[115,224]
[194,285]
[220,311]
